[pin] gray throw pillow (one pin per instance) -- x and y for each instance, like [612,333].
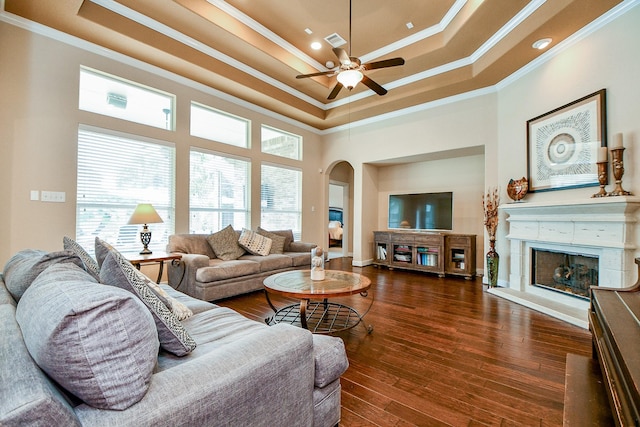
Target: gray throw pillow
[102,249]
[277,241]
[90,264]
[98,342]
[254,243]
[23,268]
[117,271]
[225,244]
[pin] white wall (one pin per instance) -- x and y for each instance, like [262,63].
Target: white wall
[608,58]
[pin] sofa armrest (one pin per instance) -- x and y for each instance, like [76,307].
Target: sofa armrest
[182,275]
[301,246]
[246,381]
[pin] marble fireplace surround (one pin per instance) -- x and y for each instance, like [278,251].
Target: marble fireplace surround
[603,227]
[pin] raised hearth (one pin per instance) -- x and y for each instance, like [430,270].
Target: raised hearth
[603,228]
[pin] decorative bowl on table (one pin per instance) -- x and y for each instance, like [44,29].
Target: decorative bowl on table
[517,188]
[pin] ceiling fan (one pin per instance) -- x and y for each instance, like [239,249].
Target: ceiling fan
[350,72]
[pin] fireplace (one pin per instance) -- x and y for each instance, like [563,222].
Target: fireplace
[600,236]
[572,274]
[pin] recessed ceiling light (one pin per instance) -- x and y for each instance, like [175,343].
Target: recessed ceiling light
[308,31]
[316,45]
[409,25]
[541,44]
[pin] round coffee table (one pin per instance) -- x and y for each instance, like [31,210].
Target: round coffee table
[315,312]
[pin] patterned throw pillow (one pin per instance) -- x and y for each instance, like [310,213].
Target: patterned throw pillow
[181,311]
[254,243]
[225,244]
[90,264]
[117,271]
[102,249]
[277,241]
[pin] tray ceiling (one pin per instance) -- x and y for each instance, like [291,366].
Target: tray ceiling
[253,50]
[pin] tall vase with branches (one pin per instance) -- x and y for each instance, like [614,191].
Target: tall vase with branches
[490,203]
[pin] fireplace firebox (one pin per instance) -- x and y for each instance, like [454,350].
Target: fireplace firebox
[568,273]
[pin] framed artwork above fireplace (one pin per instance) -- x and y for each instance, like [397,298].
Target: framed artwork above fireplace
[562,145]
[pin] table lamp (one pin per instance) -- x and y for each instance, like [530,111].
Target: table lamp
[145,214]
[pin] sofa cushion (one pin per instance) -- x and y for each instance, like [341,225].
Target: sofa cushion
[330,359]
[270,262]
[287,234]
[190,244]
[119,272]
[254,243]
[225,244]
[90,264]
[220,270]
[98,342]
[27,396]
[23,268]
[300,258]
[277,241]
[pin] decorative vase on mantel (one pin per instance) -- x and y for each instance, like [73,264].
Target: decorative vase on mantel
[493,261]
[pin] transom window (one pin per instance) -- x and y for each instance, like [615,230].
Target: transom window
[218,192]
[216,125]
[112,96]
[116,172]
[281,143]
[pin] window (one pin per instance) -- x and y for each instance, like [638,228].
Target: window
[280,143]
[218,126]
[218,192]
[281,199]
[115,173]
[112,96]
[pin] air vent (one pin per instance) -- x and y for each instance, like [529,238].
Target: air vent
[335,40]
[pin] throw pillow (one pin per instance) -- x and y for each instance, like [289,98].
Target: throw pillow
[102,249]
[98,342]
[119,272]
[181,311]
[277,241]
[25,266]
[287,234]
[254,243]
[225,244]
[90,264]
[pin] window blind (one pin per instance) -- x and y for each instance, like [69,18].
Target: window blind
[281,199]
[115,173]
[218,192]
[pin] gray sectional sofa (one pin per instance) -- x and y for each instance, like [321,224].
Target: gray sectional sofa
[96,343]
[203,274]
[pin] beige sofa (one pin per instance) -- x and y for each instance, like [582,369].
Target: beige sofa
[203,275]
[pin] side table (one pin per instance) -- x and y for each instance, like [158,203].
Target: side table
[157,257]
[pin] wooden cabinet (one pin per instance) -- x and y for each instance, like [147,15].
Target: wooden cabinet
[437,253]
[460,253]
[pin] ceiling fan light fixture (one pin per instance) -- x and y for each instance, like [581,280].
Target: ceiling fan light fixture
[350,78]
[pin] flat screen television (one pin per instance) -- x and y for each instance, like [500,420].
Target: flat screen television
[423,211]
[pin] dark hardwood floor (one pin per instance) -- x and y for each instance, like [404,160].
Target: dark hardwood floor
[445,352]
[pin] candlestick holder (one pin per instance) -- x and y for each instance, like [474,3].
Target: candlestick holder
[618,171]
[603,176]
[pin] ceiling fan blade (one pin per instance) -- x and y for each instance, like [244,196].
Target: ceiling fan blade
[335,91]
[342,55]
[373,86]
[393,62]
[322,73]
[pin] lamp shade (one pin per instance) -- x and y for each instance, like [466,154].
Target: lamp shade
[350,78]
[144,214]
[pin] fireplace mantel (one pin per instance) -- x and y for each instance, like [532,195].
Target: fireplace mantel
[603,227]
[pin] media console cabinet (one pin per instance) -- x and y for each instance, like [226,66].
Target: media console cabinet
[440,253]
